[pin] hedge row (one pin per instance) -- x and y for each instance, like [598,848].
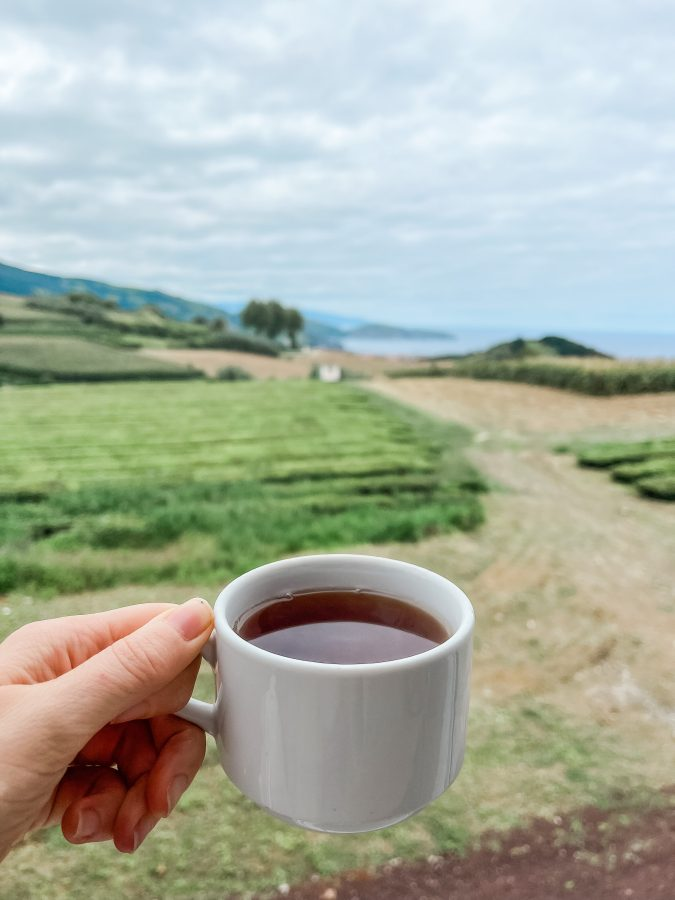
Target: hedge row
[648,465]
[628,378]
[16,375]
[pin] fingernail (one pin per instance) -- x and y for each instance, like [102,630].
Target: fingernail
[191,619]
[143,829]
[88,825]
[176,789]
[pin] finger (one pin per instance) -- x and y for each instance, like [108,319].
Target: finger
[130,747]
[126,672]
[182,752]
[168,700]
[134,820]
[46,649]
[102,748]
[90,799]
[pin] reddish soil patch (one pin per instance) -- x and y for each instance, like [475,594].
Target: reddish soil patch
[590,855]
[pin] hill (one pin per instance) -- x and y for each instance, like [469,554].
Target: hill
[392,332]
[86,316]
[545,347]
[552,362]
[83,338]
[28,360]
[321,329]
[26,283]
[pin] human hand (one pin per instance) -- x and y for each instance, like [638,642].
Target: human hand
[87,738]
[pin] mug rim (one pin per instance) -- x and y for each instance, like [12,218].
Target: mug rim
[456,639]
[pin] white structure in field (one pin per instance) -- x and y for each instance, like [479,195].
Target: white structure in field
[329,373]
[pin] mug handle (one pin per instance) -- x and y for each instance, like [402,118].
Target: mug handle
[197,711]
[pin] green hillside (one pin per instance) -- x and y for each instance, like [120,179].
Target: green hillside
[522,349]
[88,318]
[26,283]
[546,347]
[25,359]
[318,331]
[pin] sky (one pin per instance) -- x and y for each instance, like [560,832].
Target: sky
[467,162]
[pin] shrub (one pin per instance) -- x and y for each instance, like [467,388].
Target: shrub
[661,487]
[648,465]
[234,373]
[233,341]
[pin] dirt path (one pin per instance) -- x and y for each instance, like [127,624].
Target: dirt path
[587,856]
[572,580]
[572,575]
[525,411]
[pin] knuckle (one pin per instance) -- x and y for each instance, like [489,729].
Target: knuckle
[138,660]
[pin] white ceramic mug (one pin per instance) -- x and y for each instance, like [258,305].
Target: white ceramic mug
[339,748]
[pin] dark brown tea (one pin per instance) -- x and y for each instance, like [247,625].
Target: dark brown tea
[341,626]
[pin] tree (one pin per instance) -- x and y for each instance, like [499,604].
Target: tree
[254,316]
[218,324]
[2,320]
[200,320]
[276,319]
[293,325]
[271,318]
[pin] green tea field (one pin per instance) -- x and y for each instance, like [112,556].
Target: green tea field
[116,484]
[648,465]
[29,359]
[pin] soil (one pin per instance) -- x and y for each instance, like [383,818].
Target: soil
[572,574]
[590,855]
[298,365]
[522,409]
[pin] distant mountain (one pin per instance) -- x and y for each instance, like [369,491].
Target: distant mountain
[530,349]
[564,347]
[333,320]
[26,283]
[391,332]
[321,329]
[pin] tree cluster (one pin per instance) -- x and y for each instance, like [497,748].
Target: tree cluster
[270,318]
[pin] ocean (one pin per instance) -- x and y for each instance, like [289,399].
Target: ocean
[620,344]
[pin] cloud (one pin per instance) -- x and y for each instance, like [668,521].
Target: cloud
[417,161]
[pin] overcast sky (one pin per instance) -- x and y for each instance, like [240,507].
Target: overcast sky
[462,162]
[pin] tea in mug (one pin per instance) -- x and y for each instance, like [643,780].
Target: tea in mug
[341,626]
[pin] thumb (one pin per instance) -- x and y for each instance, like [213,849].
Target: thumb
[132,668]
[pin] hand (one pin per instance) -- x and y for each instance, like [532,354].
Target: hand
[86,735]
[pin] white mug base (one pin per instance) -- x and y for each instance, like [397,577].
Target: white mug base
[330,828]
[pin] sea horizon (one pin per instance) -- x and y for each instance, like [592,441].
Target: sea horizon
[623,345]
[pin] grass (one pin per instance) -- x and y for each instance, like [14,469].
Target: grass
[29,359]
[647,465]
[105,485]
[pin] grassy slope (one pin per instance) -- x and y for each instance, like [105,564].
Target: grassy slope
[136,483]
[44,318]
[23,282]
[74,359]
